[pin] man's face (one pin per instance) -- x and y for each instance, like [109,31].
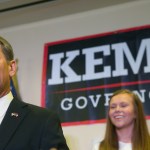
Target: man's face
[5,74]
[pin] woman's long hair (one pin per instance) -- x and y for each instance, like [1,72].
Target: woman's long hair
[140,138]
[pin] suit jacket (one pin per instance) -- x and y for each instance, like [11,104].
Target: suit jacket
[29,127]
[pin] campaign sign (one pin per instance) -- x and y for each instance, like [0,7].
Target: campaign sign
[80,75]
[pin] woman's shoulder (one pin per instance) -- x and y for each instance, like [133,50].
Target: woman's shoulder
[96,144]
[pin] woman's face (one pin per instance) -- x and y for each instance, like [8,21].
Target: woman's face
[121,111]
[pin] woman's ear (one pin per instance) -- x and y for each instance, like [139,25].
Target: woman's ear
[12,68]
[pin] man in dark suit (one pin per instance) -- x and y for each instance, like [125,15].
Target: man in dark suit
[24,126]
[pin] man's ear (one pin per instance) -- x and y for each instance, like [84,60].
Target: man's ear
[12,68]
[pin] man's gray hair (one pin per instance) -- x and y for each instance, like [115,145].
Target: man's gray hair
[6,49]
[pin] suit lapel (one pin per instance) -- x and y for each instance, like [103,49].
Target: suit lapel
[14,115]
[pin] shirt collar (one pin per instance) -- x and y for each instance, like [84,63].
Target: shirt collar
[4,103]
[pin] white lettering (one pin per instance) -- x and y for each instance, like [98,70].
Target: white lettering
[95,101]
[82,102]
[91,62]
[141,96]
[68,102]
[121,50]
[71,76]
[80,99]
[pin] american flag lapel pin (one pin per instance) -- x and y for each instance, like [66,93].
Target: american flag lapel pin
[14,114]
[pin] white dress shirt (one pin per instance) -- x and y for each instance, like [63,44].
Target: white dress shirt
[125,146]
[4,104]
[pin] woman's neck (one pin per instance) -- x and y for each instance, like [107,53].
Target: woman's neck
[125,134]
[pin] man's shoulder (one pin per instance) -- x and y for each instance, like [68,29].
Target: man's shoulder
[34,109]
[39,109]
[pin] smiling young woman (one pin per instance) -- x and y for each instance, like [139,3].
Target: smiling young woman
[122,114]
[126,127]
